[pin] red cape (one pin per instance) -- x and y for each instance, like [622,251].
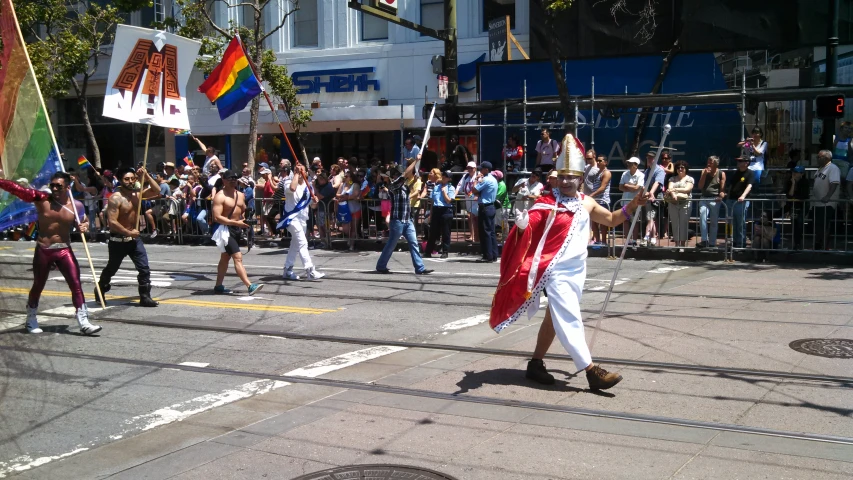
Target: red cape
[511,297]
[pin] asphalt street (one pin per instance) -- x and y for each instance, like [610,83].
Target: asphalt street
[56,405]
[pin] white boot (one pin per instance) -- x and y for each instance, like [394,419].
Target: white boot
[32,321]
[313,274]
[86,328]
[289,275]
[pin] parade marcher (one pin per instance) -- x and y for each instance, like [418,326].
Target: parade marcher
[401,221]
[230,231]
[547,250]
[57,214]
[297,199]
[124,236]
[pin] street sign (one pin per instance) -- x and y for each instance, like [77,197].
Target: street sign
[442,86]
[387,5]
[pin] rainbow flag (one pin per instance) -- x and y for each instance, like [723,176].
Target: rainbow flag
[179,131]
[232,84]
[189,159]
[32,230]
[27,147]
[83,163]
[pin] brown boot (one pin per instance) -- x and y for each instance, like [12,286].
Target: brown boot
[601,379]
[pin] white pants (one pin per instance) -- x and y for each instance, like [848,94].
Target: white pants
[564,294]
[298,245]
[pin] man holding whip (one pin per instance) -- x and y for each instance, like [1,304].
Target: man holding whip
[547,250]
[57,214]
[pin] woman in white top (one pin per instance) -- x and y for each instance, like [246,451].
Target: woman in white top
[349,194]
[755,149]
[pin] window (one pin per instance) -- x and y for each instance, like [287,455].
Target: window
[432,14]
[493,9]
[305,24]
[373,28]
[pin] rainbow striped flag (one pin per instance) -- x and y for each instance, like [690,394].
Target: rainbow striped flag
[32,229]
[232,84]
[83,163]
[27,147]
[179,131]
[189,159]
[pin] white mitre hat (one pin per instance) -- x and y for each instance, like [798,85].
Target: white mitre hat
[571,159]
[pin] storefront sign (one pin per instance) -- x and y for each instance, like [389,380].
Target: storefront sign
[338,80]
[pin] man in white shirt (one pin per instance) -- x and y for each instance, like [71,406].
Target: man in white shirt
[631,182]
[547,149]
[825,194]
[210,157]
[297,198]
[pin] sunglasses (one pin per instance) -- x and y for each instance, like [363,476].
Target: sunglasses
[57,186]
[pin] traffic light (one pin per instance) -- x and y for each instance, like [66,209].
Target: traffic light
[830,106]
[437,64]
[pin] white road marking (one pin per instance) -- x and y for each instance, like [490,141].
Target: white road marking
[25,462]
[125,277]
[183,410]
[666,269]
[465,322]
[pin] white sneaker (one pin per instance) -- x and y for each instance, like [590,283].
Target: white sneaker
[153,234]
[313,274]
[654,241]
[86,328]
[289,275]
[32,321]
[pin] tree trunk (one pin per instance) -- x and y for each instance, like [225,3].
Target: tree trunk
[80,91]
[554,54]
[644,113]
[302,148]
[253,132]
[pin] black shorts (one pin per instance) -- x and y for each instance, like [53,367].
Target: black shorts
[234,236]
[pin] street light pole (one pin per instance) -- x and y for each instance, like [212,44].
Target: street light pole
[450,71]
[831,68]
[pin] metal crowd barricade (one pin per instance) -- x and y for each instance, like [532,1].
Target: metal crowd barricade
[782,225]
[660,214]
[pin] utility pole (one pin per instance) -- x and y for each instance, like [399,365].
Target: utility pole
[451,116]
[831,68]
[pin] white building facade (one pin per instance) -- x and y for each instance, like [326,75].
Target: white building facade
[366,78]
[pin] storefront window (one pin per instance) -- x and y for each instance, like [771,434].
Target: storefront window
[493,9]
[373,28]
[432,14]
[305,25]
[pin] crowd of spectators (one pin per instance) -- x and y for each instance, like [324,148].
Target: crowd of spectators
[463,201]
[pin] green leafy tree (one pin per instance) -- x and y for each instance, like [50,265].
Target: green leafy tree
[197,22]
[67,41]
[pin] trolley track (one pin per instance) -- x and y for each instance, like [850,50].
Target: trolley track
[722,371]
[378,388]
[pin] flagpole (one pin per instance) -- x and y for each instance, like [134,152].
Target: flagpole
[142,180]
[269,101]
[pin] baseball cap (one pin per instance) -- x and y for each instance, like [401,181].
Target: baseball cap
[447,174]
[486,165]
[230,175]
[263,165]
[471,165]
[498,174]
[799,169]
[169,164]
[634,160]
[650,153]
[265,171]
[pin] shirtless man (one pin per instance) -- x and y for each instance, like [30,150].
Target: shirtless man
[57,214]
[229,232]
[124,241]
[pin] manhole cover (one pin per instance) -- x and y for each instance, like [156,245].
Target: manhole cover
[376,472]
[824,347]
